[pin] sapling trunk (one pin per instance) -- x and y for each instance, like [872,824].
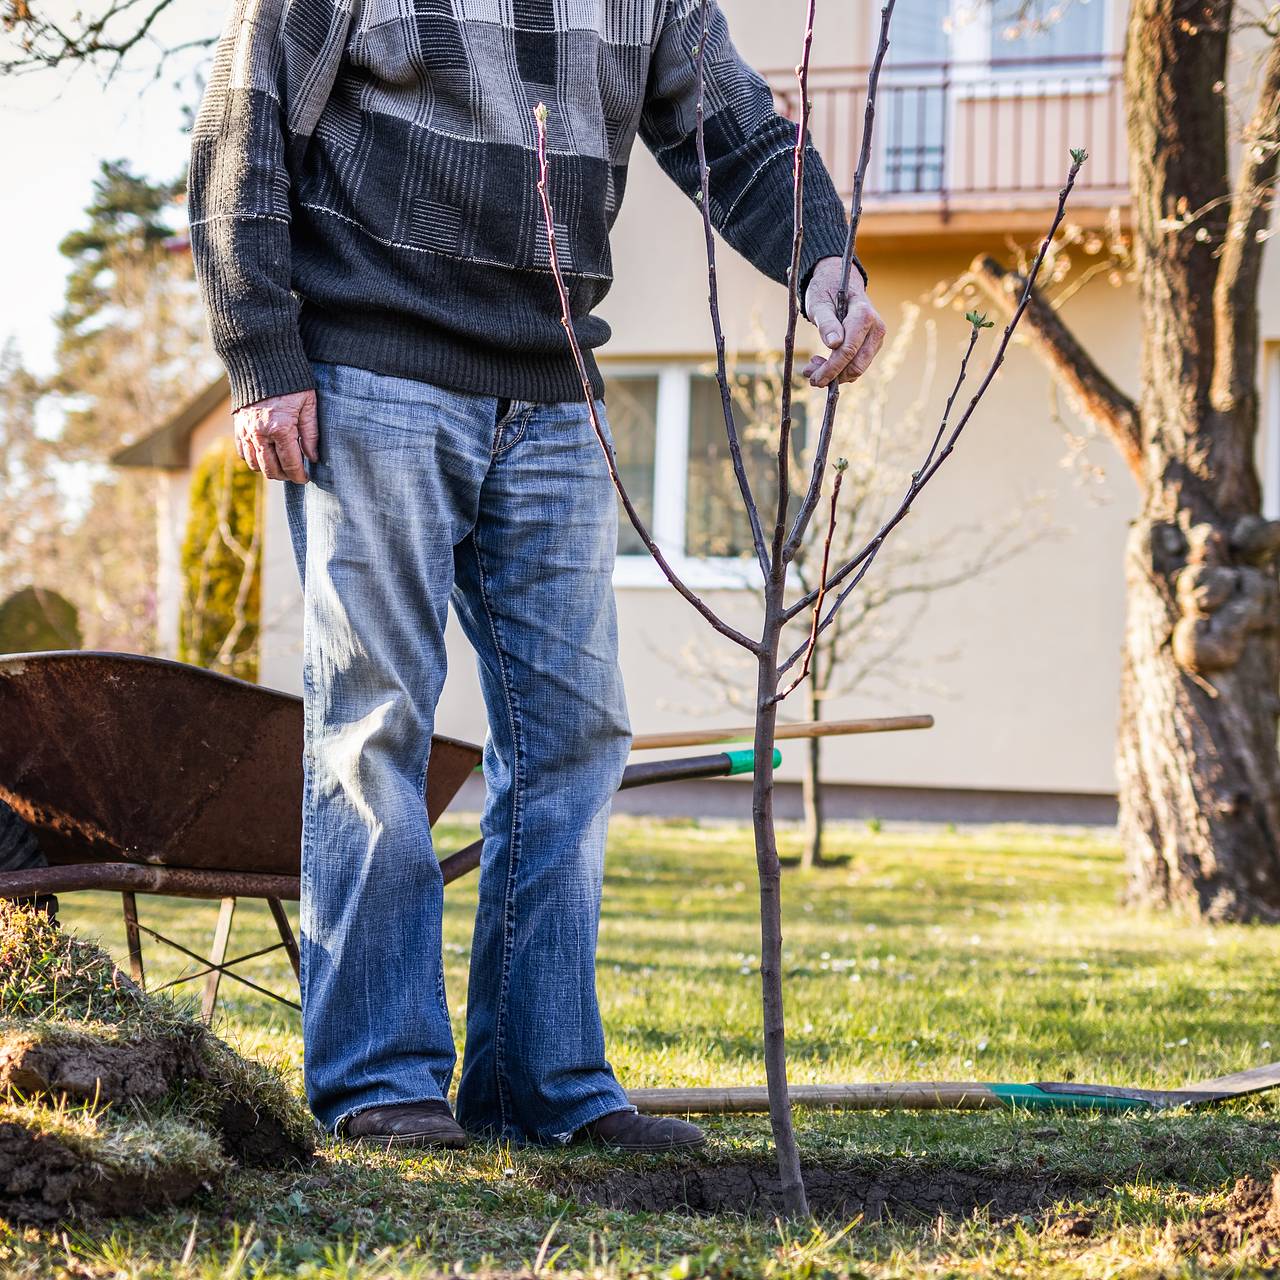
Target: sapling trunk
[775,559]
[814,816]
[769,872]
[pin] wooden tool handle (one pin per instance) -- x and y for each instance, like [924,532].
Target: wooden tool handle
[925,1096]
[807,729]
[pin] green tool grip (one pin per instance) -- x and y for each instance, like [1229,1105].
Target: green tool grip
[745,761]
[1027,1095]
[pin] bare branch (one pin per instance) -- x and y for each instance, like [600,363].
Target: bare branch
[793,295]
[1055,344]
[566,319]
[861,563]
[1235,291]
[713,299]
[810,503]
[44,44]
[974,331]
[841,467]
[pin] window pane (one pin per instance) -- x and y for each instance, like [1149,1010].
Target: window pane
[911,127]
[715,522]
[633,418]
[1047,29]
[919,31]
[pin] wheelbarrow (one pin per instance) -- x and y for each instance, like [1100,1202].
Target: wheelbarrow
[136,774]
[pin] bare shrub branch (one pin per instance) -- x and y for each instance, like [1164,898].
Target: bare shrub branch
[566,319]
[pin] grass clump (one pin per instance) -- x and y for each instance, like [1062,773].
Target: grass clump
[58,1158]
[115,1099]
[50,974]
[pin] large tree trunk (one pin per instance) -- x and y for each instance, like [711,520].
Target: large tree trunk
[1198,766]
[1199,784]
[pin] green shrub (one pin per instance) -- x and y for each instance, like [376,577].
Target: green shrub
[36,619]
[220,610]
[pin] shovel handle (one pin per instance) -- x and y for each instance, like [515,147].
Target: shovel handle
[805,729]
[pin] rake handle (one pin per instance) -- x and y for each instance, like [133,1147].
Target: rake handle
[805,729]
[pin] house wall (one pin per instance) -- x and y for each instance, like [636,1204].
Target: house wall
[993,657]
[1021,667]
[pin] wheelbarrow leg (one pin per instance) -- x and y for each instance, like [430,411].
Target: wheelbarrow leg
[221,936]
[134,938]
[286,934]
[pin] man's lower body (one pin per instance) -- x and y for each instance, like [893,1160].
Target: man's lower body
[424,497]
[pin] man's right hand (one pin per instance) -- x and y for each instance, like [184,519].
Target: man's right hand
[273,435]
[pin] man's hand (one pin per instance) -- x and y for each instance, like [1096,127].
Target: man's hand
[855,343]
[273,435]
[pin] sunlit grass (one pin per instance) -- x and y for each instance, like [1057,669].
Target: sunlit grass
[995,955]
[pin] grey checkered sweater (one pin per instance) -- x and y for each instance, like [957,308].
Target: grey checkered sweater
[363,183]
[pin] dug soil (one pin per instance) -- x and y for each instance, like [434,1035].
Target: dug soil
[41,1177]
[84,1069]
[901,1190]
[1246,1229]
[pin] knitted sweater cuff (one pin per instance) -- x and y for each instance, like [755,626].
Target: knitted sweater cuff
[272,364]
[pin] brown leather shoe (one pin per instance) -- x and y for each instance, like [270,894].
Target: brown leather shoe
[631,1131]
[413,1124]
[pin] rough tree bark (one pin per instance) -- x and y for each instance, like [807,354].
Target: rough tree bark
[1199,773]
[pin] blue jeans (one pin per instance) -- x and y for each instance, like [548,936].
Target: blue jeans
[422,496]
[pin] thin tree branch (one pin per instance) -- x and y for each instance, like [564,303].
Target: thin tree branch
[793,294]
[974,331]
[713,299]
[1055,344]
[816,476]
[248,570]
[566,319]
[1235,291]
[822,587]
[861,563]
[45,44]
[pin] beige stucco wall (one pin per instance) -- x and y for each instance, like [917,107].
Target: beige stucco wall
[1024,662]
[1027,657]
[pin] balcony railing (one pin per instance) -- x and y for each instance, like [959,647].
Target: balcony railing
[957,135]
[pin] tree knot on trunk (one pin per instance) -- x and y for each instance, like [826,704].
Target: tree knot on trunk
[1225,593]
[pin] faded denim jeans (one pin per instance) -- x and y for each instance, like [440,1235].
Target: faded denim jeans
[421,497]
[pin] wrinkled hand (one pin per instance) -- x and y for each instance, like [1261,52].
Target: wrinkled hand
[854,344]
[273,435]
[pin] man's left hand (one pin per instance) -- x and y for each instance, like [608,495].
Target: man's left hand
[855,343]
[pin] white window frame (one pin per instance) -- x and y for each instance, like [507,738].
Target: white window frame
[972,75]
[638,570]
[972,71]
[1271,431]
[976,75]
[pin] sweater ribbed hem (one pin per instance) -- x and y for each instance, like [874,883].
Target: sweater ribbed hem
[382,343]
[272,365]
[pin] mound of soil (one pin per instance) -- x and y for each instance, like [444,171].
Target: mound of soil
[83,1068]
[1247,1228]
[898,1190]
[68,1065]
[85,1052]
[258,1138]
[41,1178]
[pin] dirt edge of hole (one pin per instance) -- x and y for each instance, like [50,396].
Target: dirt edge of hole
[898,1191]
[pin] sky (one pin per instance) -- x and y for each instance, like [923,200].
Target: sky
[55,129]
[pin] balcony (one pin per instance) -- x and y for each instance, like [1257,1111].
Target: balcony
[972,144]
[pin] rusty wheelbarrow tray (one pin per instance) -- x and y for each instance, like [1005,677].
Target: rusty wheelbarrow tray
[142,775]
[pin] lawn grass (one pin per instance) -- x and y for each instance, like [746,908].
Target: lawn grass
[999,954]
